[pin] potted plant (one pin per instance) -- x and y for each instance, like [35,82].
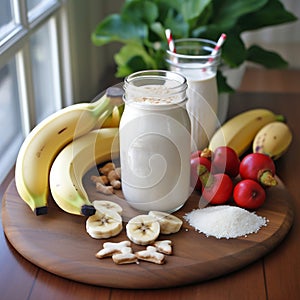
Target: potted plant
[141,24]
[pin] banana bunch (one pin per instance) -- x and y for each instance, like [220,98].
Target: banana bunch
[46,141]
[112,119]
[73,161]
[273,140]
[240,131]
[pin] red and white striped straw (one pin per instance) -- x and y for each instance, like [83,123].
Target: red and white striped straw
[170,40]
[220,42]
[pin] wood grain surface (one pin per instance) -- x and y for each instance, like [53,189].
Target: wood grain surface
[273,276]
[58,243]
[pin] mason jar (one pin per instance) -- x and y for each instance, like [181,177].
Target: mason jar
[196,60]
[155,141]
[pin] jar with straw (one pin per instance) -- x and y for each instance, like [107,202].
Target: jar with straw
[198,60]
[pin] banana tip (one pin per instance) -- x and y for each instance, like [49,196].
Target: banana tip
[42,210]
[88,210]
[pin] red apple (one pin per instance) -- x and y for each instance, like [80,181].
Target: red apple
[258,167]
[218,189]
[198,164]
[249,194]
[225,160]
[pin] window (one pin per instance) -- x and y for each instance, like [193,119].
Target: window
[45,74]
[31,67]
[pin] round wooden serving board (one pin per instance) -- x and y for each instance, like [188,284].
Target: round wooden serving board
[58,243]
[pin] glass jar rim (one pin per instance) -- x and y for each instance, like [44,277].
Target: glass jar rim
[132,81]
[150,74]
[208,43]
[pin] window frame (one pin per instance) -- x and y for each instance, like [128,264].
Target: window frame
[15,45]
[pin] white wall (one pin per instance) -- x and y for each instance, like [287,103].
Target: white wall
[90,63]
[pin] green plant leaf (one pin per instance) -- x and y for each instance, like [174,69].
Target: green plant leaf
[144,11]
[234,50]
[115,28]
[273,13]
[191,9]
[204,18]
[268,59]
[175,21]
[141,27]
[160,57]
[211,32]
[134,64]
[224,16]
[223,86]
[159,30]
[133,57]
[227,12]
[165,5]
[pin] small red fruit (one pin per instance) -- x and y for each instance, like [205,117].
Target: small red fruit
[259,167]
[249,194]
[202,153]
[198,164]
[225,160]
[196,154]
[218,189]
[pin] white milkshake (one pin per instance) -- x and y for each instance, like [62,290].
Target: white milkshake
[155,143]
[202,105]
[194,60]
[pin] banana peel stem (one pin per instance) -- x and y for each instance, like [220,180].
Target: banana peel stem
[100,105]
[104,117]
[280,118]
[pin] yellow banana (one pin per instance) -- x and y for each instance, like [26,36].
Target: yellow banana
[113,120]
[239,131]
[114,116]
[273,139]
[43,144]
[74,161]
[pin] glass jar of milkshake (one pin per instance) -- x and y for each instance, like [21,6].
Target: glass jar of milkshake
[194,59]
[155,141]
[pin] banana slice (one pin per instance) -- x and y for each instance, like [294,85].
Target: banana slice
[109,205]
[168,223]
[104,224]
[143,229]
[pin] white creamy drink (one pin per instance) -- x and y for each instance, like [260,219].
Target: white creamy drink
[155,146]
[196,60]
[202,105]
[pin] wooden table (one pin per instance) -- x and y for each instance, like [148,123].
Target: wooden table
[275,276]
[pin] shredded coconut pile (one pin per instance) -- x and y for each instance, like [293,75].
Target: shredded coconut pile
[225,221]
